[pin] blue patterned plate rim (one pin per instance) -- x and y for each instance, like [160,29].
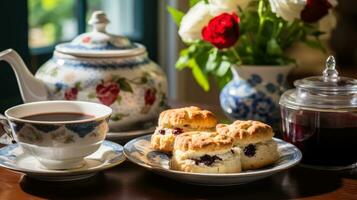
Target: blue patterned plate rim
[118,159]
[296,154]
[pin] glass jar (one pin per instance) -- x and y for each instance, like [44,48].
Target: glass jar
[320,118]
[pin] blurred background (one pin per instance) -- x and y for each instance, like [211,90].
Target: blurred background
[34,27]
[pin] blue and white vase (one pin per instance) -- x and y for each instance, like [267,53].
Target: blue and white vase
[254,93]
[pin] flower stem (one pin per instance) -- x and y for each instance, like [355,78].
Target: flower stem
[234,51]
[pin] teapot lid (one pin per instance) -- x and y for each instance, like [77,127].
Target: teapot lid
[329,91]
[99,43]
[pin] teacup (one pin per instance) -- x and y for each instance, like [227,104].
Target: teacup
[58,144]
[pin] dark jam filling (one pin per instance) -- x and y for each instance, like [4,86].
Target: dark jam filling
[207,160]
[177,131]
[162,132]
[249,150]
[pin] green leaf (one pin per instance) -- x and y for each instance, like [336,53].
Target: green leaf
[78,85]
[193,48]
[199,76]
[273,47]
[91,95]
[124,85]
[118,116]
[201,59]
[222,81]
[115,77]
[316,44]
[223,68]
[176,14]
[317,33]
[213,60]
[118,100]
[183,60]
[144,80]
[193,2]
[283,60]
[267,31]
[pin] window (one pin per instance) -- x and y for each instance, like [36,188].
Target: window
[38,25]
[120,12]
[50,22]
[55,21]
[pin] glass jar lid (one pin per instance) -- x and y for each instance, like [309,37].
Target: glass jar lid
[99,43]
[329,91]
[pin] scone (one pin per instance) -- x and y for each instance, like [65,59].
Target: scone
[205,152]
[173,122]
[255,141]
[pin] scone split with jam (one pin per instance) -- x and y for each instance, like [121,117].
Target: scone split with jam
[205,152]
[174,122]
[255,139]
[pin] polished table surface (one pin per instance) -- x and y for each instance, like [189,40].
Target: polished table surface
[128,181]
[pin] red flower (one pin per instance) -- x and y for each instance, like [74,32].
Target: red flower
[71,94]
[107,93]
[150,96]
[315,10]
[222,31]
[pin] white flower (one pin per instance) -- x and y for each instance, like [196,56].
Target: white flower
[200,14]
[291,9]
[288,9]
[193,22]
[226,6]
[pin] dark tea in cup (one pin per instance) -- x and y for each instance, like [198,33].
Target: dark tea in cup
[58,116]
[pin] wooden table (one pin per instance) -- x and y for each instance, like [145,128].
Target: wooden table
[128,181]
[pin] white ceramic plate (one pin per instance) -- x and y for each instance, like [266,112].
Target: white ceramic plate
[108,155]
[127,135]
[140,152]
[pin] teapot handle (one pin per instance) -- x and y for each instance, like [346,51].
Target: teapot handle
[5,129]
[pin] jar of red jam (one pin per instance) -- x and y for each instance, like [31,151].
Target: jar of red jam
[320,118]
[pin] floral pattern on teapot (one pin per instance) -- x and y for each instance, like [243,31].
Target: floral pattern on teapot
[130,87]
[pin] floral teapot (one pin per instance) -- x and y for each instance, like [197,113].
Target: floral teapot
[98,67]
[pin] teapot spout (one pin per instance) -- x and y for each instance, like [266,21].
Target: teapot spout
[31,88]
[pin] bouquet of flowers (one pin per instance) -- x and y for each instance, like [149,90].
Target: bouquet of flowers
[221,33]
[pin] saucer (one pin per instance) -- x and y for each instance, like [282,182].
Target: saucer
[140,152]
[108,155]
[127,135]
